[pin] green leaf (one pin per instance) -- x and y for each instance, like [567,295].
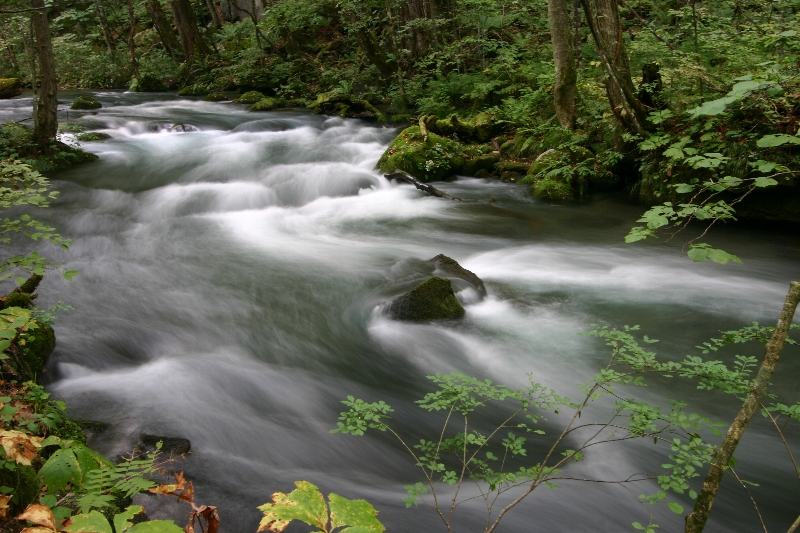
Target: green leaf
[305,503]
[763,181]
[69,274]
[61,469]
[93,522]
[770,141]
[122,521]
[358,514]
[675,507]
[683,188]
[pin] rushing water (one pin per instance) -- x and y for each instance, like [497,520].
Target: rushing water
[232,274]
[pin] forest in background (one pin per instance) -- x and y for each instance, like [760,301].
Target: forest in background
[630,98]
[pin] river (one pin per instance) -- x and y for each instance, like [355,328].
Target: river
[232,274]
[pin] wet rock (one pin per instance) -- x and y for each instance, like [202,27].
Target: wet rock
[481,129]
[343,106]
[170,445]
[508,175]
[427,160]
[86,102]
[449,267]
[433,299]
[250,97]
[10,87]
[215,97]
[93,136]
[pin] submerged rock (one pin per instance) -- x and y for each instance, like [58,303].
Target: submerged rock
[10,87]
[427,160]
[93,136]
[450,268]
[86,102]
[433,299]
[170,445]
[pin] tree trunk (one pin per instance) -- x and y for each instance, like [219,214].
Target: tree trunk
[696,521]
[131,40]
[236,10]
[107,37]
[46,127]
[192,41]
[602,17]
[576,32]
[164,30]
[565,89]
[214,15]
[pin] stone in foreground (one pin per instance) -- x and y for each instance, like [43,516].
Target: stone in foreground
[432,299]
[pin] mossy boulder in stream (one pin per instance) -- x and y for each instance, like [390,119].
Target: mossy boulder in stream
[268,104]
[194,90]
[86,103]
[250,97]
[427,160]
[215,97]
[432,299]
[10,87]
[346,106]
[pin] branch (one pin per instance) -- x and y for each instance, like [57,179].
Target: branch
[643,21]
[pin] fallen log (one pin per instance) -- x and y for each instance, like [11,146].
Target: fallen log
[425,187]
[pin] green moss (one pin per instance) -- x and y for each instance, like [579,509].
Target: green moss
[520,167]
[215,97]
[485,162]
[10,87]
[431,160]
[268,104]
[86,102]
[18,299]
[343,106]
[93,136]
[250,97]
[433,299]
[39,342]
[550,189]
[194,90]
[25,484]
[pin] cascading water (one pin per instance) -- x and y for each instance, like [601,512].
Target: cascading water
[233,268]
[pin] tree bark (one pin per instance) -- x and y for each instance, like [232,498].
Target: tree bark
[576,32]
[214,15]
[132,41]
[602,18]
[565,89]
[192,41]
[104,25]
[696,521]
[46,126]
[164,30]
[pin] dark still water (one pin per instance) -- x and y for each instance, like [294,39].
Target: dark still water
[232,273]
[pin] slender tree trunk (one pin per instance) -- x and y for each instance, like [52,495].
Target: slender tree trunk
[46,127]
[565,89]
[576,32]
[215,20]
[164,30]
[602,18]
[192,41]
[131,40]
[29,39]
[696,521]
[105,27]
